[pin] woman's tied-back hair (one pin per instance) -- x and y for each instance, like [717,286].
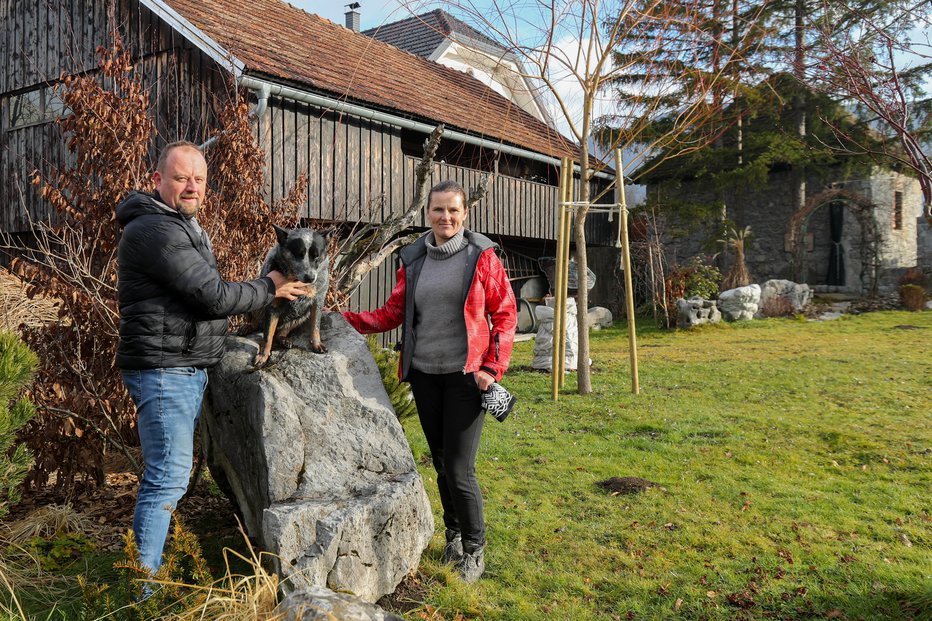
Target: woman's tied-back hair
[448,186]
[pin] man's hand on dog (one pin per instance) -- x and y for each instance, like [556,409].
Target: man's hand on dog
[287,289]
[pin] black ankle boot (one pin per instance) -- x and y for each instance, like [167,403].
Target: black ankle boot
[472,565]
[453,549]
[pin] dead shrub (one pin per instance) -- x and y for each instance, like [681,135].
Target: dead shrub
[914,276]
[738,275]
[913,297]
[16,307]
[82,406]
[777,306]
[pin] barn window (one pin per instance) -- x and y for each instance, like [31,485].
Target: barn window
[897,211]
[39,105]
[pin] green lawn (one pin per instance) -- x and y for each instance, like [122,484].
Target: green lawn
[791,463]
[793,467]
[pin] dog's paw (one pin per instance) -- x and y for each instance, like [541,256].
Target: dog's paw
[318,348]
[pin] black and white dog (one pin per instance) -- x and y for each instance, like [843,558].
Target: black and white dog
[301,254]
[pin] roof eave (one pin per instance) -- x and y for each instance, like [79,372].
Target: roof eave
[196,36]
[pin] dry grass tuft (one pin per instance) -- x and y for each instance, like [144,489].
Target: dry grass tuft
[48,521]
[16,308]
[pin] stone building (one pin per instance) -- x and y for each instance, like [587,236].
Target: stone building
[853,236]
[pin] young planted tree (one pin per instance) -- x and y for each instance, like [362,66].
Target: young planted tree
[569,47]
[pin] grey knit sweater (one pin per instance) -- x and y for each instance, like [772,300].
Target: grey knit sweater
[439,327]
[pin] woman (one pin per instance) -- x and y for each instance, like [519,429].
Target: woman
[458,312]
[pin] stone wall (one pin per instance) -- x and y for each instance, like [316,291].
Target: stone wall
[924,226]
[899,246]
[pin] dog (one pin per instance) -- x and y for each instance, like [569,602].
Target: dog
[300,254]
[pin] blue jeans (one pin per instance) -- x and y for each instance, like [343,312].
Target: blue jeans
[168,404]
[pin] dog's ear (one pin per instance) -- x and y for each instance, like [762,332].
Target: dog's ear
[281,233]
[321,241]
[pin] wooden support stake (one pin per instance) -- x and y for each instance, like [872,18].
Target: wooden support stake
[626,264]
[569,222]
[559,286]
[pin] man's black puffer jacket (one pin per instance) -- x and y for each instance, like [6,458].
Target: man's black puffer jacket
[173,303]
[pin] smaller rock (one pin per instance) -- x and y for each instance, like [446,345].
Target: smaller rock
[696,311]
[321,604]
[783,294]
[739,304]
[600,317]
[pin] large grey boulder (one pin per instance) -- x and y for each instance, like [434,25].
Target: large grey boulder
[312,453]
[696,311]
[779,294]
[320,604]
[739,304]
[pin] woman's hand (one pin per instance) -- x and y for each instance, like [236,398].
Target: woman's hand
[483,380]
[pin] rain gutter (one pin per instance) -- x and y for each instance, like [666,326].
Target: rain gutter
[265,89]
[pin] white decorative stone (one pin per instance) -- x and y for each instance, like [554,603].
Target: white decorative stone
[696,311]
[797,295]
[599,318]
[739,304]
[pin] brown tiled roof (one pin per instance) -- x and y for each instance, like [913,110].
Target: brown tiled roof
[275,39]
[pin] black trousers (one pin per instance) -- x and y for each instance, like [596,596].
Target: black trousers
[450,410]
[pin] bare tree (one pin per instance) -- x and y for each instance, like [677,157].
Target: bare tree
[867,70]
[568,48]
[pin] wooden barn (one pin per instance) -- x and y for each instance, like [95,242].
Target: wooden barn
[349,110]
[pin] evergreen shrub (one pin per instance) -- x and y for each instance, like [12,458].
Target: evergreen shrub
[399,392]
[17,365]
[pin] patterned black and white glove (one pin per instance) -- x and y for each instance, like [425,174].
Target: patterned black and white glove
[497,401]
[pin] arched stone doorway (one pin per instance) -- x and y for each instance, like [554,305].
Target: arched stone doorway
[865,252]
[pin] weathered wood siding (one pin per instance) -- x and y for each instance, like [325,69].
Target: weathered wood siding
[357,170]
[43,39]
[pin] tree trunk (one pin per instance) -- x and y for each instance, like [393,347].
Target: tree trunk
[799,106]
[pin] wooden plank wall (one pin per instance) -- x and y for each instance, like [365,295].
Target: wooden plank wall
[43,39]
[357,172]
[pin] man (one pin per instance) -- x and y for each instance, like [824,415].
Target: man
[173,320]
